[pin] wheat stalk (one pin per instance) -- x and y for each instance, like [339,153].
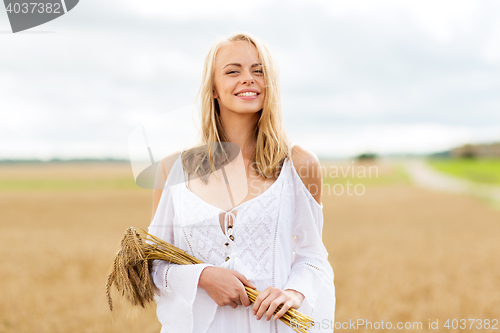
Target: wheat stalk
[132,265]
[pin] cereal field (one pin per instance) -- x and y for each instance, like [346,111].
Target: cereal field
[399,253]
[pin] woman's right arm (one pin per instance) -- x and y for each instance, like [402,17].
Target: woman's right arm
[160,179]
[177,294]
[224,286]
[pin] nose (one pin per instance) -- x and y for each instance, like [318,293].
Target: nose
[247,78]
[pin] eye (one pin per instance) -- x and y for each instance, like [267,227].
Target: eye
[257,71]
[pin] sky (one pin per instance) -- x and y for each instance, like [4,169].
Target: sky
[356,76]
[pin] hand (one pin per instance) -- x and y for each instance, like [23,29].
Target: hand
[271,298]
[225,286]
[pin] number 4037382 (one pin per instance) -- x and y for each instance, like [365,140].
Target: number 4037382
[472,324]
[34,7]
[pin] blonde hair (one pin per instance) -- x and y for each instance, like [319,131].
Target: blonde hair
[272,144]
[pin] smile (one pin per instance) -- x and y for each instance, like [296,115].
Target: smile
[246,94]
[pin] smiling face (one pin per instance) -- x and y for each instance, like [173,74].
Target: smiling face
[239,78]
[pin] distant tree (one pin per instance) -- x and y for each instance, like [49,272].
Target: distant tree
[469,151]
[367,156]
[441,154]
[468,155]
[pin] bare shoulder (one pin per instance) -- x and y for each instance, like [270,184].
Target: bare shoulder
[308,168]
[162,172]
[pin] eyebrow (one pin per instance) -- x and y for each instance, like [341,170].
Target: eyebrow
[239,65]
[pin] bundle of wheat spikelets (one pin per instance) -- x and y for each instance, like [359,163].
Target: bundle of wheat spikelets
[132,264]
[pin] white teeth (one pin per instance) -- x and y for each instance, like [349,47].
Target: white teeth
[247,94]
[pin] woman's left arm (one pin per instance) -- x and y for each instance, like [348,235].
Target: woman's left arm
[311,273]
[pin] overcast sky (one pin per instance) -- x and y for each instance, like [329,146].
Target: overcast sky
[357,76]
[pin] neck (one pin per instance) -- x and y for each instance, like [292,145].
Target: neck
[239,129]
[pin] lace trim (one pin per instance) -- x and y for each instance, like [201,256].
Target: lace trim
[312,266]
[274,248]
[166,272]
[254,231]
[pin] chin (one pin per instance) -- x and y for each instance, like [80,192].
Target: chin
[247,111]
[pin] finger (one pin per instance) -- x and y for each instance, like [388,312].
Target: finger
[264,306]
[258,300]
[237,299]
[272,307]
[244,297]
[234,305]
[244,280]
[282,311]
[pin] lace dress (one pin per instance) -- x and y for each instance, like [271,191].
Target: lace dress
[261,246]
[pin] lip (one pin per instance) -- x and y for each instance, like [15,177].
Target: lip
[248,97]
[248,90]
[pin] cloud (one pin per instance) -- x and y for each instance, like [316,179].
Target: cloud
[386,67]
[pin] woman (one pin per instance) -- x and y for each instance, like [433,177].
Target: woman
[271,241]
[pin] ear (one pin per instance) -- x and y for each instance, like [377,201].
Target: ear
[214,93]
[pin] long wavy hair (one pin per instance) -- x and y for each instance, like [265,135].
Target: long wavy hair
[272,143]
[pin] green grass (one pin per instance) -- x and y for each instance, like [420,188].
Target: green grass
[478,170]
[31,179]
[66,184]
[66,177]
[398,176]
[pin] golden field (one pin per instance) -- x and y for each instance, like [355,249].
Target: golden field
[399,253]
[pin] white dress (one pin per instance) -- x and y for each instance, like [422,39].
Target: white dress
[264,250]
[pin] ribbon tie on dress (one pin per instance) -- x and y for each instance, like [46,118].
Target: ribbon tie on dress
[234,261]
[227,216]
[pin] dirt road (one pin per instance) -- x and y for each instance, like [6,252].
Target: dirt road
[425,176]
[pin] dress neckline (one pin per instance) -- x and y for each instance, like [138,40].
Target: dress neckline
[243,203]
